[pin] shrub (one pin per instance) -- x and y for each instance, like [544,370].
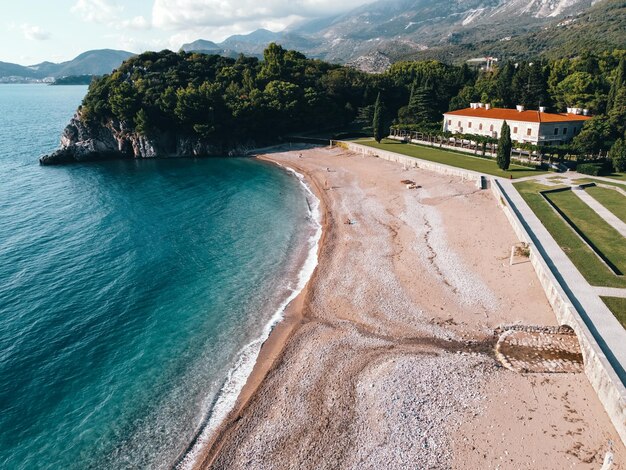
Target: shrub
[593,169]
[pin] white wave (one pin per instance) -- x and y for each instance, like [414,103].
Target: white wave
[248,355]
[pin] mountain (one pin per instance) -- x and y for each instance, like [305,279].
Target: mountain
[450,31]
[14,70]
[252,44]
[97,62]
[398,28]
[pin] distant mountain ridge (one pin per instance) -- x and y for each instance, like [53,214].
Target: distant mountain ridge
[374,35]
[449,31]
[97,62]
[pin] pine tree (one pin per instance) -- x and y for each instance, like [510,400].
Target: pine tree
[379,119]
[504,147]
[618,82]
[422,107]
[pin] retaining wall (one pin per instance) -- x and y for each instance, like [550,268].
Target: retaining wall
[605,381]
[607,384]
[412,162]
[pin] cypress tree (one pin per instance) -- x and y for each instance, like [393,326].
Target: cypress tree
[504,147]
[379,119]
[618,82]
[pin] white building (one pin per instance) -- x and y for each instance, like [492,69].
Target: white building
[535,127]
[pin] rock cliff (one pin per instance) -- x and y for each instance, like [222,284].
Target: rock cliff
[115,140]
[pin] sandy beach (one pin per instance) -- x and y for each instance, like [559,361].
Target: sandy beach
[386,359]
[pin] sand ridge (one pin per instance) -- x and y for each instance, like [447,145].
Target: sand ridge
[386,361]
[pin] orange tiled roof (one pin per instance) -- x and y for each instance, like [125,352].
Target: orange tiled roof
[515,115]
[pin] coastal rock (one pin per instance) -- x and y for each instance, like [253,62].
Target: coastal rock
[115,140]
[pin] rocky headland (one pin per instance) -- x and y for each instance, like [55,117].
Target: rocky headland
[81,142]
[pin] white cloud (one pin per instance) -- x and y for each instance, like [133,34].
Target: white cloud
[34,33]
[179,14]
[137,23]
[219,33]
[97,11]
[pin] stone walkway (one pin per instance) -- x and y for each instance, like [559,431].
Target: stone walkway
[602,211]
[611,292]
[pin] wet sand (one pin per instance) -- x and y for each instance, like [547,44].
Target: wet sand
[386,359]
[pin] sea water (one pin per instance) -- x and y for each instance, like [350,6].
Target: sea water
[134,295]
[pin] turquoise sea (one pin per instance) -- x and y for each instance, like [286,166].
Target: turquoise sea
[134,296]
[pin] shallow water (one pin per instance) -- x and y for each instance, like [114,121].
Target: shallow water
[128,290]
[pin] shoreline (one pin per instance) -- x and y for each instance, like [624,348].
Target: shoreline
[384,359]
[271,349]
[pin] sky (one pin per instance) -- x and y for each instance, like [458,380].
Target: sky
[57,30]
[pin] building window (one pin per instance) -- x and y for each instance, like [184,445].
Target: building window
[469,124]
[564,130]
[480,126]
[556,131]
[529,131]
[515,130]
[491,128]
[449,122]
[458,124]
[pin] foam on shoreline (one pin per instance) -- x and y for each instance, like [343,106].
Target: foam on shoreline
[248,355]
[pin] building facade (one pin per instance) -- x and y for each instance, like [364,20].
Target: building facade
[527,126]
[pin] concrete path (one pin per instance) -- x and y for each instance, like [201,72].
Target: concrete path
[611,292]
[605,328]
[602,211]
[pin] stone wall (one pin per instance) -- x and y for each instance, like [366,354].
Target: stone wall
[605,381]
[607,384]
[412,162]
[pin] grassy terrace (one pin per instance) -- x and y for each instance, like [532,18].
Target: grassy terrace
[621,176]
[599,232]
[597,181]
[618,307]
[467,162]
[612,200]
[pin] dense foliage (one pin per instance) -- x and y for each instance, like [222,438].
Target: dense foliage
[225,99]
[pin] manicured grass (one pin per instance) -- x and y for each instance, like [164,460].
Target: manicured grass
[468,162]
[618,307]
[597,181]
[612,200]
[617,176]
[605,238]
[587,262]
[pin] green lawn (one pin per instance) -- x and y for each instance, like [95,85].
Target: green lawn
[612,200]
[587,262]
[597,181]
[618,307]
[605,238]
[468,162]
[617,176]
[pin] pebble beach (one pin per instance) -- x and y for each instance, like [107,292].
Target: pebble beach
[386,359]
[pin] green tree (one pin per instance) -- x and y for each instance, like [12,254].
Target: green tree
[618,83]
[379,119]
[592,138]
[142,122]
[505,145]
[617,113]
[617,154]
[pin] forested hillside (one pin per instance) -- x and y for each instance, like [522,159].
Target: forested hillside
[225,101]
